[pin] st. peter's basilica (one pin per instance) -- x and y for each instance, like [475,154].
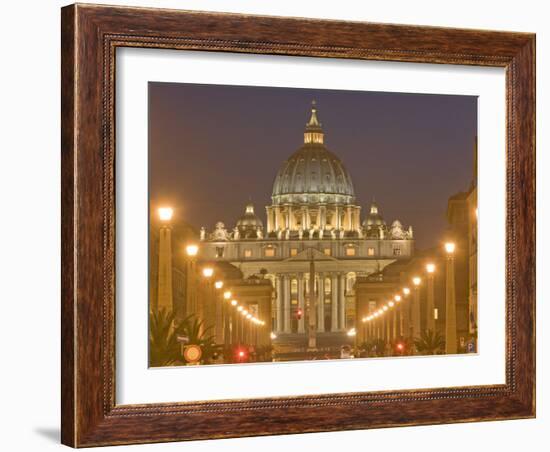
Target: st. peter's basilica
[313,224]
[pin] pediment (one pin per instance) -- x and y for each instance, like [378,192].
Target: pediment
[306,255]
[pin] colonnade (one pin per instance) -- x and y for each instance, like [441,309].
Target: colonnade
[399,321]
[345,217]
[335,293]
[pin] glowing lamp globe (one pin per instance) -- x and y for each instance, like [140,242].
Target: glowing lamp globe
[165,213]
[191,250]
[450,247]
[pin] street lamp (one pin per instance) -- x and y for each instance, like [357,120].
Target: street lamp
[416,307]
[192,250]
[430,305]
[450,301]
[398,299]
[220,309]
[450,247]
[207,272]
[239,325]
[191,294]
[406,314]
[165,213]
[209,304]
[165,296]
[386,319]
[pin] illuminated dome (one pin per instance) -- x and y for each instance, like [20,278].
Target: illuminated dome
[313,174]
[374,219]
[249,223]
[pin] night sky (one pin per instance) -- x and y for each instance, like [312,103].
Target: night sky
[213,148]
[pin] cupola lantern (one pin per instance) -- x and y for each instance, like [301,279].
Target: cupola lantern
[314,133]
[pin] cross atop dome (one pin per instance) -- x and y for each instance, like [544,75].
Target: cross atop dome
[314,133]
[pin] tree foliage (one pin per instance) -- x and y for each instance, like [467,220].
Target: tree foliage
[429,343]
[199,334]
[164,347]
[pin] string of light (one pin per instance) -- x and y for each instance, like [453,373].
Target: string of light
[397,298]
[192,250]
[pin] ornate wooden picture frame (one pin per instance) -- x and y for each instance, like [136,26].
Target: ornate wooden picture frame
[90,37]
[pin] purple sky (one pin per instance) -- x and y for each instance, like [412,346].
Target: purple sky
[214,147]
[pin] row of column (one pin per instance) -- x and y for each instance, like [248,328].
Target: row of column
[402,320]
[283,304]
[389,326]
[238,330]
[346,217]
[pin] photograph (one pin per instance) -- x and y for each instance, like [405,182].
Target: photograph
[292,224]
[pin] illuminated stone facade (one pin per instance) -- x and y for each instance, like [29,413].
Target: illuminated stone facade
[313,215]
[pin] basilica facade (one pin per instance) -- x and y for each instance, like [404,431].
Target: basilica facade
[312,243]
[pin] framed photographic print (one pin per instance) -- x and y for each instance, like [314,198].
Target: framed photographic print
[279,225]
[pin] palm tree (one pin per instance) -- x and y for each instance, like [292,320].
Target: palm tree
[164,349]
[429,343]
[196,333]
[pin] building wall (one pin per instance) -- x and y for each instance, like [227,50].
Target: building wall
[255,295]
[256,249]
[458,215]
[370,296]
[472,260]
